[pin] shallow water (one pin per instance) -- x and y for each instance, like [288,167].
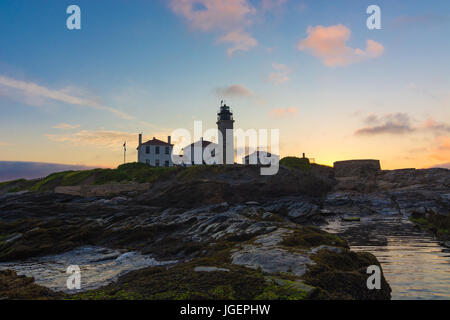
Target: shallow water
[413,262]
[98,267]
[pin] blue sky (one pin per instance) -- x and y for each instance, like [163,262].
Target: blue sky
[154,66]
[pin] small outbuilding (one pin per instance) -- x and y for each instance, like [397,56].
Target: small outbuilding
[350,168]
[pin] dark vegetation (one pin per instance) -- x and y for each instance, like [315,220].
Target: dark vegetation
[432,222]
[343,275]
[182,282]
[16,287]
[308,237]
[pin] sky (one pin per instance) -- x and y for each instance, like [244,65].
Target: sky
[312,69]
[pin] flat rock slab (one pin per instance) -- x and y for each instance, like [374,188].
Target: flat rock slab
[272,260]
[210,269]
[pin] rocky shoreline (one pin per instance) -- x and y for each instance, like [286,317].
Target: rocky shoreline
[233,235]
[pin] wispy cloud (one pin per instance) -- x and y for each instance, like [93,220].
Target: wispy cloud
[66,126]
[330,45]
[280,112]
[235,90]
[397,123]
[400,123]
[239,40]
[435,126]
[99,138]
[280,73]
[31,90]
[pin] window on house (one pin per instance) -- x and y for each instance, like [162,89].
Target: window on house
[147,161]
[157,150]
[167,150]
[166,163]
[156,163]
[147,149]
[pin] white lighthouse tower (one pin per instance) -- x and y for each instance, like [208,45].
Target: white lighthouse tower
[226,139]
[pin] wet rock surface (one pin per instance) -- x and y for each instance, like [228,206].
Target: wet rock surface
[391,192]
[402,217]
[97,267]
[42,234]
[415,263]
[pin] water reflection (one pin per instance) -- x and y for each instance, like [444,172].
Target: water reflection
[414,263]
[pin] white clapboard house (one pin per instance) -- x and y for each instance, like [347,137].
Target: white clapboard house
[155,152]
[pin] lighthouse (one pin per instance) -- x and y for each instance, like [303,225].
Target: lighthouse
[226,138]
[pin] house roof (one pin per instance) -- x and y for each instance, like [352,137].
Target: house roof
[156,142]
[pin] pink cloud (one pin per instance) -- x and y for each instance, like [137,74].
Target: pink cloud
[435,126]
[230,18]
[240,41]
[280,112]
[235,90]
[330,45]
[207,15]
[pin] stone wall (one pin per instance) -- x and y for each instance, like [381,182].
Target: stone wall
[351,168]
[102,190]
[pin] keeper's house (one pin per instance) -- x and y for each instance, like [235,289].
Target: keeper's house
[155,152]
[194,157]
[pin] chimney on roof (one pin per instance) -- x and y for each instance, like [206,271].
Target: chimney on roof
[169,139]
[304,155]
[140,139]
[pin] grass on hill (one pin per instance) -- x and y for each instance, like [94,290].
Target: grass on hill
[296,163]
[131,172]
